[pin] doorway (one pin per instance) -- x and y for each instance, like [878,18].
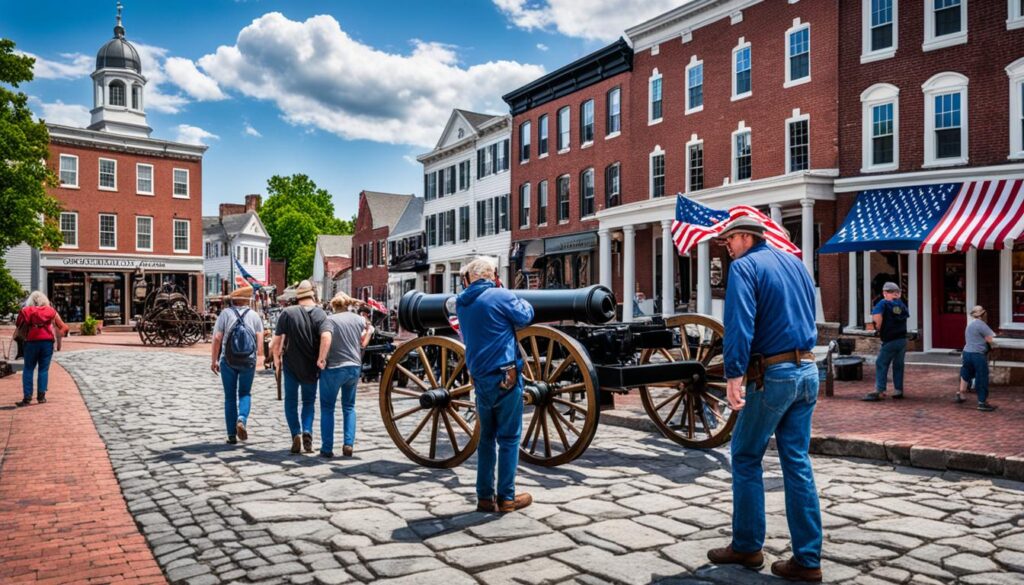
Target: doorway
[949,301]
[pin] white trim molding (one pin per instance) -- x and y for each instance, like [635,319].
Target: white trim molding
[650,171]
[152,179]
[946,175]
[867,54]
[1015,73]
[99,232]
[797,117]
[60,225]
[694,141]
[933,42]
[945,83]
[742,44]
[1015,14]
[877,95]
[693,64]
[151,235]
[741,128]
[797,27]
[99,174]
[655,76]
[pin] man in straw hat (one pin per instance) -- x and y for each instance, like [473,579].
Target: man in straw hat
[343,335]
[769,332]
[295,346]
[236,326]
[978,338]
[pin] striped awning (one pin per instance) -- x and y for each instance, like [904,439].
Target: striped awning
[984,215]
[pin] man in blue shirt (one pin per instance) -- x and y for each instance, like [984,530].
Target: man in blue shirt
[488,319]
[890,319]
[769,332]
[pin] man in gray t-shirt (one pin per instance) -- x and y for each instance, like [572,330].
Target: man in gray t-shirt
[343,336]
[237,381]
[974,366]
[343,333]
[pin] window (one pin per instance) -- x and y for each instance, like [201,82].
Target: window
[430,186]
[181,233]
[245,254]
[108,174]
[741,86]
[542,203]
[587,122]
[563,129]
[181,183]
[501,158]
[108,231]
[144,179]
[117,93]
[695,166]
[464,175]
[562,198]
[501,207]
[1015,18]
[69,229]
[144,234]
[654,98]
[432,230]
[464,223]
[945,24]
[489,226]
[880,150]
[368,250]
[798,155]
[657,172]
[524,141]
[542,136]
[694,86]
[878,40]
[68,170]
[614,122]
[612,185]
[945,117]
[449,230]
[798,62]
[741,155]
[587,193]
[136,94]
[1015,71]
[524,205]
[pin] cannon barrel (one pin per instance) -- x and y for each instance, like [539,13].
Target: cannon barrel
[592,305]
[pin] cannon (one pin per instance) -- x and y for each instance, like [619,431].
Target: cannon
[571,355]
[168,319]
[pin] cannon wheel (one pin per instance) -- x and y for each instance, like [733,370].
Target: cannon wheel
[444,385]
[560,414]
[690,413]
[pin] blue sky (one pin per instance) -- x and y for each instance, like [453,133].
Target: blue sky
[347,92]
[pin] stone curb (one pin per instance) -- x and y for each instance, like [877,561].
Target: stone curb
[895,452]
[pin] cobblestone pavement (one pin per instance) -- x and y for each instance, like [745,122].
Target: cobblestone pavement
[635,508]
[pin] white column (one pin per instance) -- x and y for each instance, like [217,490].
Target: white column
[704,278]
[807,233]
[926,300]
[851,291]
[971,297]
[628,272]
[1005,282]
[913,291]
[668,269]
[604,265]
[866,288]
[776,212]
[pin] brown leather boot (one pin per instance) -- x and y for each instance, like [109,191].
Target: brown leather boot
[727,556]
[485,506]
[791,570]
[522,500]
[297,444]
[240,431]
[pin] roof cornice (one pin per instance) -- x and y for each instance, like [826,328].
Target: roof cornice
[118,142]
[683,20]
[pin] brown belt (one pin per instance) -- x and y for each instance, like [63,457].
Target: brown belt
[759,363]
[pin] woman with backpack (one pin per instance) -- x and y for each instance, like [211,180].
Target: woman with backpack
[35,323]
[239,333]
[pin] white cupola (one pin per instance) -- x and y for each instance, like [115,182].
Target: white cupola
[118,87]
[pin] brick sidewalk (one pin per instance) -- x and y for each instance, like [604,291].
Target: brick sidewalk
[62,516]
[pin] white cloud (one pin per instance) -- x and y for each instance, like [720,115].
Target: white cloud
[250,131]
[193,134]
[601,20]
[76,65]
[542,47]
[156,98]
[411,160]
[65,114]
[184,74]
[320,77]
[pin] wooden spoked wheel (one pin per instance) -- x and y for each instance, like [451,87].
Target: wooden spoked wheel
[432,420]
[692,413]
[560,410]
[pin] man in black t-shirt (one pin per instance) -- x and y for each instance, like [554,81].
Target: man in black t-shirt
[890,319]
[295,347]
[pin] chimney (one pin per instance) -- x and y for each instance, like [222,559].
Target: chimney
[253,202]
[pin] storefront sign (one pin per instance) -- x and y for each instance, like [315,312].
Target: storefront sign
[571,243]
[72,262]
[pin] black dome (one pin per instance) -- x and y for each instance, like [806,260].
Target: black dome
[119,53]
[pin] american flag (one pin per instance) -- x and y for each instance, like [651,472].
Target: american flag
[983,216]
[696,223]
[376,305]
[246,278]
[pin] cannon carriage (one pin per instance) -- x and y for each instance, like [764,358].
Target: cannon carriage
[169,319]
[574,361]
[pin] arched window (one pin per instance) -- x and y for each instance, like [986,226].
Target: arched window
[945,119]
[136,97]
[117,93]
[880,128]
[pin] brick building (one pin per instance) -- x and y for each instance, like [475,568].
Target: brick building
[377,216]
[932,98]
[569,156]
[132,205]
[333,254]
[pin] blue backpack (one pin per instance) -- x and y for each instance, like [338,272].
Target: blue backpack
[240,343]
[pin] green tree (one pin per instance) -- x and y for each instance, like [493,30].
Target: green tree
[24,175]
[295,213]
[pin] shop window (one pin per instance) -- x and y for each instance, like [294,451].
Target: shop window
[67,294]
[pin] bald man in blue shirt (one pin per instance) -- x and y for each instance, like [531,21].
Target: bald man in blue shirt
[769,335]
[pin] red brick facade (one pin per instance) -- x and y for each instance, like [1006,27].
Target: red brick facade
[369,257]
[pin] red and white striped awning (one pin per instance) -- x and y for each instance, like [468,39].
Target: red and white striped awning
[984,215]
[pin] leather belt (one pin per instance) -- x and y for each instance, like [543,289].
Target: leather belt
[796,356]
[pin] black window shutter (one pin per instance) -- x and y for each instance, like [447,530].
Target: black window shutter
[480,218]
[505,145]
[479,164]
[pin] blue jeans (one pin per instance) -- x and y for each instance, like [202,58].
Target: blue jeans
[237,394]
[344,378]
[783,407]
[501,425]
[974,366]
[291,403]
[37,353]
[892,352]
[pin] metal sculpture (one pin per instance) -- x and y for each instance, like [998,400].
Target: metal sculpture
[568,371]
[169,319]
